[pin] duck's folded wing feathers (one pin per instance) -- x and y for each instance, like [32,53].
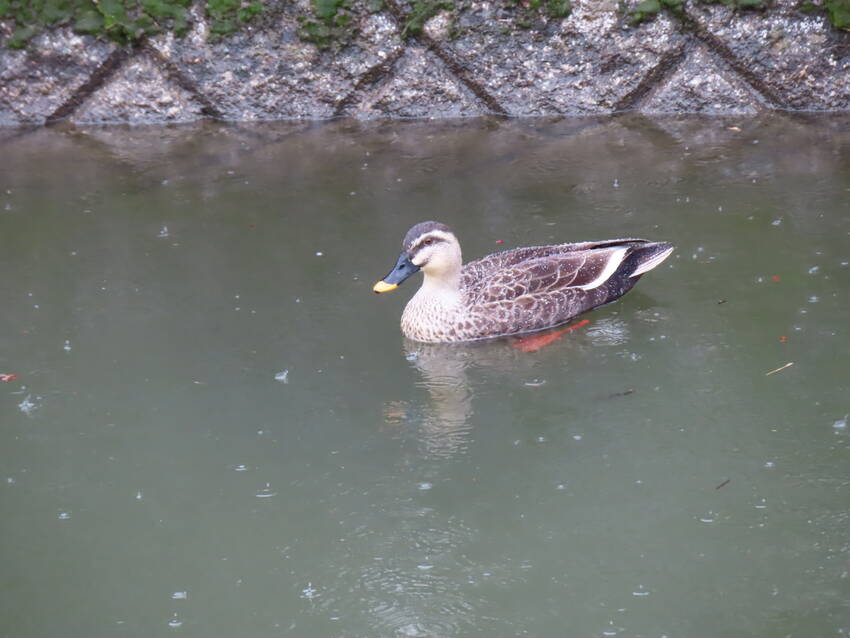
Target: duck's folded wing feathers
[480,269]
[585,270]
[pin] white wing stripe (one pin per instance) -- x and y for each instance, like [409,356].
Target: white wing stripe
[614,262]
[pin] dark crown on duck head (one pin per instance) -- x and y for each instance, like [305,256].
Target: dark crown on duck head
[421,229]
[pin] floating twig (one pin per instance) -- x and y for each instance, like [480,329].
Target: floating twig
[780,369]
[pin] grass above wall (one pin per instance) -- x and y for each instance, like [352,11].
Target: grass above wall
[838,11]
[327,24]
[124,22]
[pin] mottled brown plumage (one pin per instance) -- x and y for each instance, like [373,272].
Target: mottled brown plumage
[514,291]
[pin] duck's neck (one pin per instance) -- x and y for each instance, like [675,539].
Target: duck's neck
[441,284]
[439,295]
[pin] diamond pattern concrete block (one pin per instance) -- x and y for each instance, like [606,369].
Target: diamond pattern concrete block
[140,92]
[36,81]
[266,72]
[698,86]
[800,59]
[420,86]
[585,63]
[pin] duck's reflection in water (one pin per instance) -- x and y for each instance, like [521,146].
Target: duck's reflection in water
[445,375]
[446,370]
[448,374]
[439,590]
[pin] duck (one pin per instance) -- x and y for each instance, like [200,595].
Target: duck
[511,292]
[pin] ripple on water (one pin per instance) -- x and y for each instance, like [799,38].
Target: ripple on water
[30,404]
[609,332]
[437,591]
[651,315]
[640,592]
[612,629]
[266,492]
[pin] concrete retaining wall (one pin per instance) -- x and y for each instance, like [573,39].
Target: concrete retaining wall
[713,60]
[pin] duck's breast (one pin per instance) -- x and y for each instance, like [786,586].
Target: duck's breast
[435,316]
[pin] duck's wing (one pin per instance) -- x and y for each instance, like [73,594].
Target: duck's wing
[543,272]
[490,264]
[553,286]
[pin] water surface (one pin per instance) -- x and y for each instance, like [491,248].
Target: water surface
[217,429]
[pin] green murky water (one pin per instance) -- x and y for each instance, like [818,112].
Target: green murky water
[642,476]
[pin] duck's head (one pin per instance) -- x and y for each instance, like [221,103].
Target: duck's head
[430,247]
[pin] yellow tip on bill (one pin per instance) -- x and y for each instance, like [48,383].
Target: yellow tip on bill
[383,286]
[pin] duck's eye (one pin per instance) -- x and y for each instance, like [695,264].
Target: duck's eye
[427,242]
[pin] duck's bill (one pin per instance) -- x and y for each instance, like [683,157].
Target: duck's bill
[403,269]
[383,286]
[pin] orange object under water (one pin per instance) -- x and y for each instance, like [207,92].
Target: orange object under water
[536,342]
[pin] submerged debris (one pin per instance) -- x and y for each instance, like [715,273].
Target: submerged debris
[624,393]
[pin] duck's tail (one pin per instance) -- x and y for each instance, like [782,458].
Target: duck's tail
[647,256]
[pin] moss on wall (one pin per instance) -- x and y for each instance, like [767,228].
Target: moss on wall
[122,21]
[329,23]
[837,11]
